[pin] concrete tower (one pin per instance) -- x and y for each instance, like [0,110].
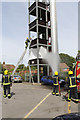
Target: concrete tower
[41,27]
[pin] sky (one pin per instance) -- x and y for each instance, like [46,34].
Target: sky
[15,29]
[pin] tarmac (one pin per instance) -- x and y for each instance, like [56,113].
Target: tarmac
[0,102]
[34,101]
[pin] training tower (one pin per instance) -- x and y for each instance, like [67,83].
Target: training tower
[39,27]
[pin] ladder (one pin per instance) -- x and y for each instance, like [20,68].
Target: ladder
[21,58]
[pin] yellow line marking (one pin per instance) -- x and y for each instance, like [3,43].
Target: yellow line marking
[37,105]
[69,107]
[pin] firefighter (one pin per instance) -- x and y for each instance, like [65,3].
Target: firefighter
[27,40]
[55,84]
[72,87]
[6,83]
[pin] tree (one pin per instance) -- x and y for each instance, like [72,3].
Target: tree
[11,69]
[65,58]
[22,67]
[33,67]
[79,51]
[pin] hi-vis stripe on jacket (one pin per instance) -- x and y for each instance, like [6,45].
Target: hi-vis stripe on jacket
[72,82]
[6,80]
[55,81]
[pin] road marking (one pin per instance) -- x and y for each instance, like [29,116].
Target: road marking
[69,107]
[37,105]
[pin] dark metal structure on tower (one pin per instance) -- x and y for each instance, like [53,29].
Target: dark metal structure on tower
[40,26]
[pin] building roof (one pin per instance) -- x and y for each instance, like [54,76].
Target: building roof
[63,65]
[8,66]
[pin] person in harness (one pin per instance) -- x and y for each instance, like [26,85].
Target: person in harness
[55,84]
[27,40]
[6,83]
[72,87]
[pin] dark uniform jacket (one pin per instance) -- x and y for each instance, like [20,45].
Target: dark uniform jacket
[27,42]
[71,82]
[55,80]
[6,80]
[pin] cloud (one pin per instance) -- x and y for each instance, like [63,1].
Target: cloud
[40,0]
[0,48]
[14,0]
[11,51]
[0,31]
[14,31]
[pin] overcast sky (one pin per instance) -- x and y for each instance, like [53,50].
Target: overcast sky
[15,29]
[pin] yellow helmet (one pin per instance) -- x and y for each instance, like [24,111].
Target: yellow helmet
[56,73]
[5,72]
[27,38]
[70,72]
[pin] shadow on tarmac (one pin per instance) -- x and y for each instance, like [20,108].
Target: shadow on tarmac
[12,94]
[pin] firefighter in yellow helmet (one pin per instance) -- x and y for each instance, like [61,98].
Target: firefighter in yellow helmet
[27,41]
[72,87]
[6,83]
[55,84]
